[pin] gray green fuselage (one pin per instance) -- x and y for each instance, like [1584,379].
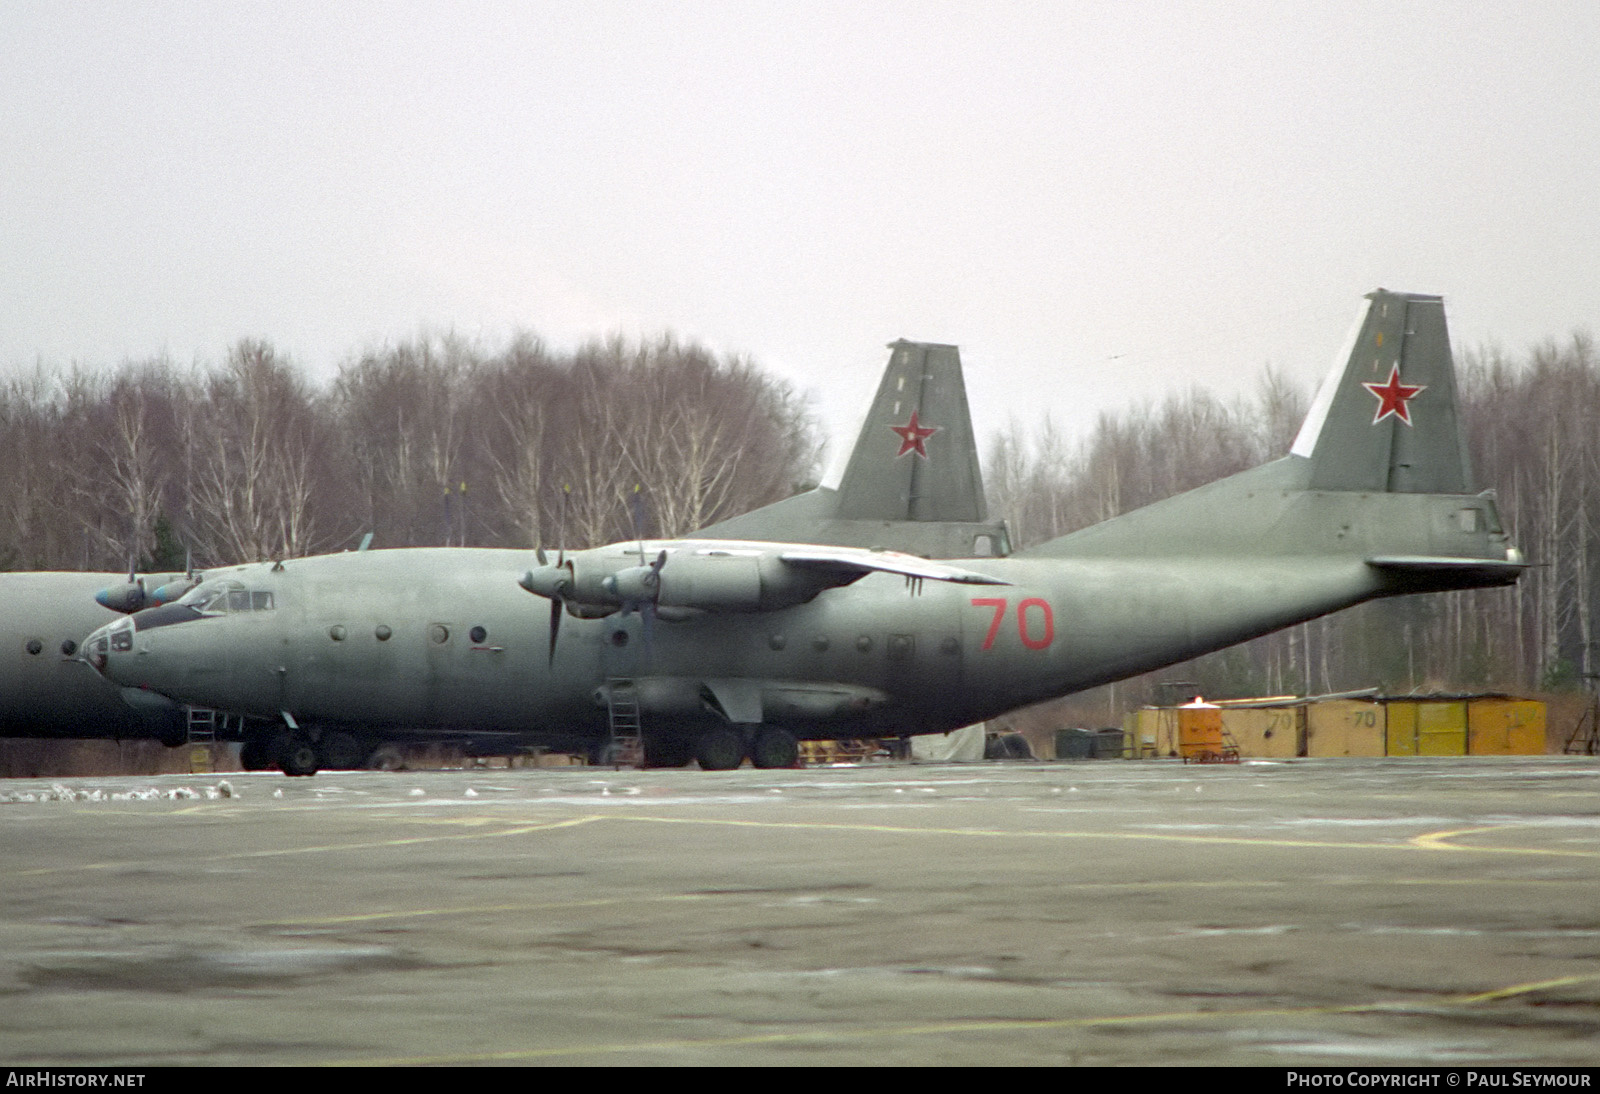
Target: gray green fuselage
[469,651]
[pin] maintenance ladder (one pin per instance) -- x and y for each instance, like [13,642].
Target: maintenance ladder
[627,741]
[203,723]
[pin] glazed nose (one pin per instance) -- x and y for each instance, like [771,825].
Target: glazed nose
[111,638]
[96,649]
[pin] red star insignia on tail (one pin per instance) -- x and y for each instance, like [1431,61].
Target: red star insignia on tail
[913,436]
[1392,397]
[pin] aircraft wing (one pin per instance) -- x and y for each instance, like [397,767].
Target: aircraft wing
[846,562]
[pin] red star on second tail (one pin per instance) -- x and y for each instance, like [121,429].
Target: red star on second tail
[1392,397]
[913,436]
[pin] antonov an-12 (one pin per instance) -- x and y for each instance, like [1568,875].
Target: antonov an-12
[719,649]
[912,483]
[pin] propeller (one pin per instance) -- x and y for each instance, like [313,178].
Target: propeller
[639,589]
[554,582]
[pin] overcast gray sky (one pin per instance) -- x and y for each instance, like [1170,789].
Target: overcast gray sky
[1099,202]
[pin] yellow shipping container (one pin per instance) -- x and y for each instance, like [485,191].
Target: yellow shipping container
[1199,731]
[1505,727]
[1421,727]
[1157,729]
[1264,731]
[1345,727]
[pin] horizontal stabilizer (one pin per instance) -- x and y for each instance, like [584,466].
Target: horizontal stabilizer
[1465,571]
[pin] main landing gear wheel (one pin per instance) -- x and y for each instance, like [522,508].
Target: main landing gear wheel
[775,748]
[255,755]
[296,754]
[341,751]
[719,749]
[387,758]
[667,750]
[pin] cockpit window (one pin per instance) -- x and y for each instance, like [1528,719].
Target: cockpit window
[222,597]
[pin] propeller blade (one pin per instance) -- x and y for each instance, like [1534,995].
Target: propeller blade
[561,526]
[636,511]
[647,620]
[556,612]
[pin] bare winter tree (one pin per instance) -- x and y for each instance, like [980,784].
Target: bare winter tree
[258,444]
[516,423]
[401,410]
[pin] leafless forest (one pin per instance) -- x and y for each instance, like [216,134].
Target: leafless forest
[429,442]
[435,441]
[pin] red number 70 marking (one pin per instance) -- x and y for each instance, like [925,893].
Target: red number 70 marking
[999,604]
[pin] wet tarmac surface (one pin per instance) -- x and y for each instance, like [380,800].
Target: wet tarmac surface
[1340,912]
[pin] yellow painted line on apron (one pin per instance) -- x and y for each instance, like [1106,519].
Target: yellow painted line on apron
[275,852]
[490,909]
[1425,842]
[1438,841]
[979,1026]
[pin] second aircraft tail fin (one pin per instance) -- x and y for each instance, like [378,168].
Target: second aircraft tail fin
[912,484]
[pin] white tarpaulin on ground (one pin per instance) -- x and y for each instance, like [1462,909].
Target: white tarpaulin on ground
[962,744]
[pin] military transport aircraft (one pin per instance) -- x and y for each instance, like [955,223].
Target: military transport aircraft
[929,502]
[45,689]
[723,649]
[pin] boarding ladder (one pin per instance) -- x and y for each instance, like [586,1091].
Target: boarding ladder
[622,703]
[202,725]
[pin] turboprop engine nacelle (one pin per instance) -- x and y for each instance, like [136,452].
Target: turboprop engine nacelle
[717,583]
[550,582]
[127,598]
[575,584]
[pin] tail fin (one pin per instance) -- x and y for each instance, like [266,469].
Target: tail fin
[916,458]
[1378,473]
[1385,420]
[912,483]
